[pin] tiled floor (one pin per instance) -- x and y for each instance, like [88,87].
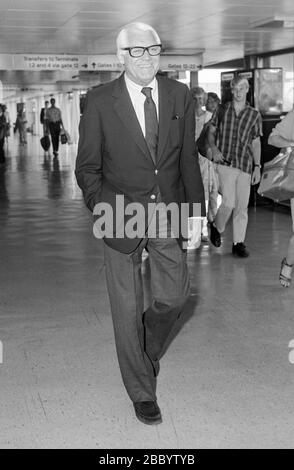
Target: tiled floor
[226,380]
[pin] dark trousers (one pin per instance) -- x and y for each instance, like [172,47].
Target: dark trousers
[54,128]
[2,154]
[140,336]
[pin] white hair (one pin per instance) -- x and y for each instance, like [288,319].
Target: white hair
[122,37]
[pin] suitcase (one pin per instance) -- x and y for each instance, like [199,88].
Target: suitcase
[277,181]
[45,142]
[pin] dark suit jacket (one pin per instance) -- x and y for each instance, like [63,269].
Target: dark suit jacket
[42,114]
[113,157]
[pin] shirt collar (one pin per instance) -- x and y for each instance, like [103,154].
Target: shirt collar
[138,88]
[246,104]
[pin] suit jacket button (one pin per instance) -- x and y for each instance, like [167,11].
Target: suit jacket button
[156,171]
[153,196]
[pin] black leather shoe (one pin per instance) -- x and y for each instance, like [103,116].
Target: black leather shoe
[215,236]
[239,249]
[148,412]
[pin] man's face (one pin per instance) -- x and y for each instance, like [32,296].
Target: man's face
[240,91]
[141,70]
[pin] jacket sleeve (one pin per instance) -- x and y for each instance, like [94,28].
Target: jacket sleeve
[190,169]
[90,148]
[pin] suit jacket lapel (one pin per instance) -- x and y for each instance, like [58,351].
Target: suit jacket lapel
[165,115]
[124,109]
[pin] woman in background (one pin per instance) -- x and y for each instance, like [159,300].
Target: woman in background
[209,177]
[21,122]
[8,123]
[212,102]
[2,134]
[283,136]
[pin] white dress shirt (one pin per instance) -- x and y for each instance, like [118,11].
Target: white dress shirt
[138,99]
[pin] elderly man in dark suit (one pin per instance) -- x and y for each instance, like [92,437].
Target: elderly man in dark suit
[137,144]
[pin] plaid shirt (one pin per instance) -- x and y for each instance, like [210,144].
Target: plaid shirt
[235,135]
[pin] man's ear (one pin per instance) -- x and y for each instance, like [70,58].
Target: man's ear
[121,57]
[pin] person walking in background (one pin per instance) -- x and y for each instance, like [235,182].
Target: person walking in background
[55,125]
[2,134]
[44,119]
[235,144]
[8,122]
[137,140]
[283,136]
[21,125]
[212,102]
[208,173]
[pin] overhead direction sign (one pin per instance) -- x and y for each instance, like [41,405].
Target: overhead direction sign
[89,62]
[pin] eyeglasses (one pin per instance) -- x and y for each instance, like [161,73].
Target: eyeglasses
[140,51]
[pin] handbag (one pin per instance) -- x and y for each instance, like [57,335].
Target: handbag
[45,142]
[69,141]
[277,180]
[63,138]
[202,141]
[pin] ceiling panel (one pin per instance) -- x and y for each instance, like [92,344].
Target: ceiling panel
[223,29]
[36,15]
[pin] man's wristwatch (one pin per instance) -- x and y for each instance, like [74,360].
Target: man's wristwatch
[257,164]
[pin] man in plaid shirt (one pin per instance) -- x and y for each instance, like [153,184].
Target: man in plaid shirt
[234,138]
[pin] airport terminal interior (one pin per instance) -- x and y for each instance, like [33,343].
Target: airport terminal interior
[226,380]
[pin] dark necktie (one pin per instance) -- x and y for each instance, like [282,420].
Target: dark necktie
[151,123]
